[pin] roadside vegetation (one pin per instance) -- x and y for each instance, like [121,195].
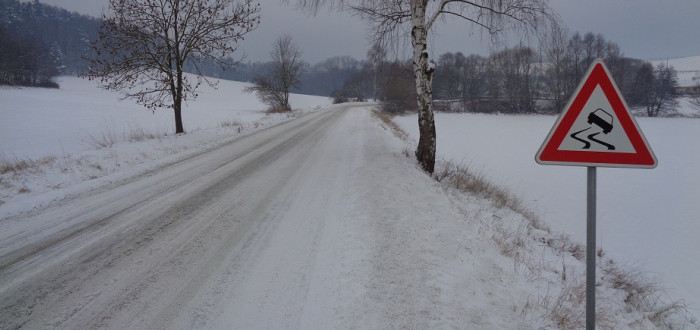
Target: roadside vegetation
[113,151]
[555,264]
[526,78]
[273,86]
[564,303]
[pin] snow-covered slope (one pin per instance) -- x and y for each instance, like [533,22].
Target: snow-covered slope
[646,218]
[687,69]
[79,134]
[39,122]
[691,63]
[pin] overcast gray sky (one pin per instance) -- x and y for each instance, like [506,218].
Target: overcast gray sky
[646,29]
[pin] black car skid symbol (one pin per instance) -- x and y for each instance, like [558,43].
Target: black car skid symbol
[601,118]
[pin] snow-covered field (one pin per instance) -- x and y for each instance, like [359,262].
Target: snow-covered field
[687,70]
[646,218]
[40,122]
[318,223]
[80,133]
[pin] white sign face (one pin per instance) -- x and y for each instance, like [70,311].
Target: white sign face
[597,128]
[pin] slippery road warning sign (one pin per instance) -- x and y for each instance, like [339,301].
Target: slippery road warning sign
[596,128]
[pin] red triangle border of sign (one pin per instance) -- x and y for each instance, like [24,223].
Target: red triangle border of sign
[550,154]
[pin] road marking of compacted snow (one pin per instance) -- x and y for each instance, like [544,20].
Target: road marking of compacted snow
[166,247]
[318,223]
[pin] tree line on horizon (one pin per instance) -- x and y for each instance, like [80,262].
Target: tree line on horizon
[512,80]
[523,79]
[38,42]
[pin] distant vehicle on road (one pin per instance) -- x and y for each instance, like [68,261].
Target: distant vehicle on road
[601,118]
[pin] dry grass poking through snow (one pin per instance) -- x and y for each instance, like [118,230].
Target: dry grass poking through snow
[626,296]
[622,290]
[24,175]
[645,294]
[388,123]
[463,179]
[15,165]
[109,136]
[112,151]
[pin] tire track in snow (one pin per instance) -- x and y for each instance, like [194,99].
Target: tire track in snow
[91,215]
[58,273]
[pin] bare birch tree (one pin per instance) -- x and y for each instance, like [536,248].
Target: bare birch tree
[143,47]
[287,66]
[389,18]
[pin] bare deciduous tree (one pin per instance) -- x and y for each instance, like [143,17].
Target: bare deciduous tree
[695,96]
[661,98]
[389,17]
[554,49]
[376,56]
[143,47]
[513,68]
[654,88]
[273,88]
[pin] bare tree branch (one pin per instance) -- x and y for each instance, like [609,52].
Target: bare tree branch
[418,17]
[273,87]
[143,47]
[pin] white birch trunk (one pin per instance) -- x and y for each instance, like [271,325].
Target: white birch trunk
[423,72]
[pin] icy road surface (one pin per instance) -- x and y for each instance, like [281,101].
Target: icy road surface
[229,238]
[318,223]
[296,226]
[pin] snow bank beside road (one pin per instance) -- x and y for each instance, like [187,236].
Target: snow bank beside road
[645,217]
[52,139]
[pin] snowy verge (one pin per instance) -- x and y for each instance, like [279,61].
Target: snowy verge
[648,218]
[32,183]
[55,142]
[535,275]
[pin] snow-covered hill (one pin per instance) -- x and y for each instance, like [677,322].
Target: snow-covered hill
[646,218]
[39,122]
[687,68]
[52,139]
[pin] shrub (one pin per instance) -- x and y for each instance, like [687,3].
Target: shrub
[339,97]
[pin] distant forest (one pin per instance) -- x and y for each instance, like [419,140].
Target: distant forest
[38,42]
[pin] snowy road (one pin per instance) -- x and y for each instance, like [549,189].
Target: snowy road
[228,238]
[318,223]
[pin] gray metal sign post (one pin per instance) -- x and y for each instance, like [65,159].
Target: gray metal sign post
[590,248]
